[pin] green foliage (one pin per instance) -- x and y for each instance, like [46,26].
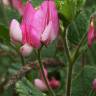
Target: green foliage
[70,8]
[25,88]
[82,84]
[79,27]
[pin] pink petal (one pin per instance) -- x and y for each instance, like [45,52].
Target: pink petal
[40,19]
[40,85]
[45,37]
[36,28]
[28,13]
[15,31]
[26,50]
[34,38]
[38,22]
[50,15]
[27,22]
[54,83]
[54,18]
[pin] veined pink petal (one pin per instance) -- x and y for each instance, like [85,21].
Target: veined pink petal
[40,85]
[26,49]
[15,31]
[91,34]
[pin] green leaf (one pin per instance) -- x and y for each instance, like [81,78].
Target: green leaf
[79,27]
[25,88]
[68,9]
[82,84]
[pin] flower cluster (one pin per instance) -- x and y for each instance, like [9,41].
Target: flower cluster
[37,27]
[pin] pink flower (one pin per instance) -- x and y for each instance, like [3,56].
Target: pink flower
[91,32]
[40,84]
[37,26]
[22,32]
[46,22]
[18,5]
[94,84]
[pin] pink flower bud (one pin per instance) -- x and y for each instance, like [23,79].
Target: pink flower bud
[15,31]
[18,5]
[54,83]
[6,2]
[26,50]
[40,85]
[91,33]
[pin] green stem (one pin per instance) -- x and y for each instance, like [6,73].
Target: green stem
[69,80]
[66,47]
[42,70]
[70,66]
[71,63]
